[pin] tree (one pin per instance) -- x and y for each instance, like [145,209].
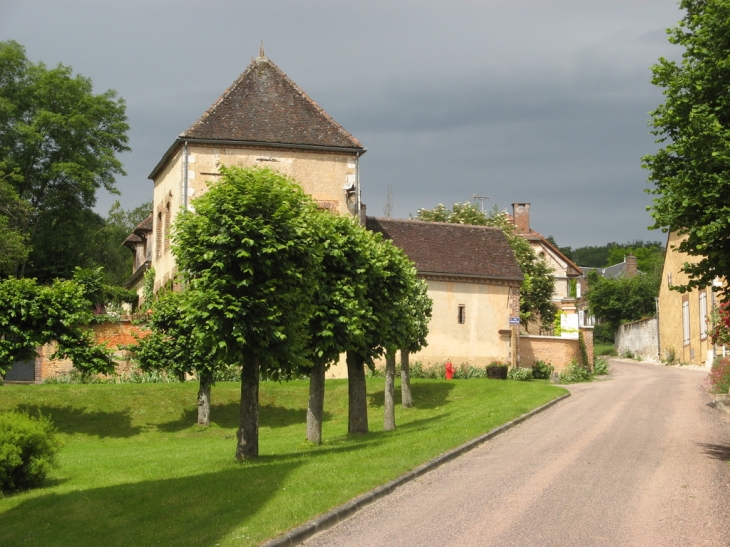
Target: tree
[32,315]
[250,268]
[538,285]
[172,346]
[622,299]
[691,172]
[14,214]
[340,308]
[420,309]
[60,140]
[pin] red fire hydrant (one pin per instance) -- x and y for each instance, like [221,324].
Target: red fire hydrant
[449,370]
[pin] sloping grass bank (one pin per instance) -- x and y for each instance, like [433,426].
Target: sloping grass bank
[134,471]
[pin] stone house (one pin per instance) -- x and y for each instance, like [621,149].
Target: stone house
[684,318]
[262,119]
[474,282]
[140,243]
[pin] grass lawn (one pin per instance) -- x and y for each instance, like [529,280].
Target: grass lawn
[134,471]
[603,349]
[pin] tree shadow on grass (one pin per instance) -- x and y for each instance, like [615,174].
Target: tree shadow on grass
[425,395]
[197,510]
[227,416]
[69,419]
[718,451]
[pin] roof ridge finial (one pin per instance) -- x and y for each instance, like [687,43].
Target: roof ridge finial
[261,50]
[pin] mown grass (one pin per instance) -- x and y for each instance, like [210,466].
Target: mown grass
[135,471]
[603,349]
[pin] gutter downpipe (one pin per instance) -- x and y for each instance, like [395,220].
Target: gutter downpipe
[185,176]
[358,199]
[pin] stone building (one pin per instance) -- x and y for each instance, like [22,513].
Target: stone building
[262,119]
[474,282]
[140,243]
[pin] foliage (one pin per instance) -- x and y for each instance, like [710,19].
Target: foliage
[691,171]
[60,141]
[622,299]
[522,374]
[600,366]
[573,373]
[148,289]
[131,377]
[32,315]
[14,214]
[720,331]
[538,285]
[114,257]
[719,377]
[542,370]
[28,448]
[604,333]
[468,372]
[648,254]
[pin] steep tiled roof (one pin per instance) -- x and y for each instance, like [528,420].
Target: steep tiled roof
[144,226]
[451,249]
[142,229]
[264,106]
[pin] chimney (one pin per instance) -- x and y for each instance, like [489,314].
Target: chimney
[631,267]
[521,214]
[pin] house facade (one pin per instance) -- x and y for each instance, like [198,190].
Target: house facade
[140,243]
[474,282]
[263,119]
[684,318]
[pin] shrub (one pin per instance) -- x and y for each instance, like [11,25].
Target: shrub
[28,448]
[542,370]
[719,377]
[417,370]
[132,377]
[573,373]
[603,334]
[600,366]
[627,354]
[520,373]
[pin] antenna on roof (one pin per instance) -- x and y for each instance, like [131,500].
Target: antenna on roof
[261,51]
[480,198]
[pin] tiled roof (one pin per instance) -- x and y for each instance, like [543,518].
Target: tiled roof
[132,241]
[144,226]
[142,229]
[264,106]
[451,249]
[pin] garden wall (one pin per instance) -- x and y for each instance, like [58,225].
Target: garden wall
[112,335]
[640,338]
[555,350]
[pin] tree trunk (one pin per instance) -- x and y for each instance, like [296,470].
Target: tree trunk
[315,408]
[205,379]
[357,391]
[405,380]
[248,430]
[389,418]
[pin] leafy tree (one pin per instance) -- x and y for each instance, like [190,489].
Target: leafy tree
[539,283]
[171,346]
[250,267]
[622,299]
[649,257]
[61,141]
[419,308]
[32,315]
[340,308]
[14,213]
[691,172]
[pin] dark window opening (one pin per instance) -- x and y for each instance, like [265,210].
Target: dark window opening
[462,314]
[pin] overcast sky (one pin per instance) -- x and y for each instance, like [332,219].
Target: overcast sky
[539,101]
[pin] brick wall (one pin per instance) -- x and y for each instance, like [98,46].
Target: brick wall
[112,335]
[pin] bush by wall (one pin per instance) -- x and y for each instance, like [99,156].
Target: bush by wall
[28,448]
[719,377]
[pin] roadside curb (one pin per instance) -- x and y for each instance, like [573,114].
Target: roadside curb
[338,514]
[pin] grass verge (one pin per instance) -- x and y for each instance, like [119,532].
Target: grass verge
[604,349]
[134,471]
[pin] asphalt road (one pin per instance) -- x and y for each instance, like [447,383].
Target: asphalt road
[636,459]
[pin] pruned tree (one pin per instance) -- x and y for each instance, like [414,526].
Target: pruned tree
[420,308]
[250,267]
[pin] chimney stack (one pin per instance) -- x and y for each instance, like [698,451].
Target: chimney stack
[521,214]
[631,267]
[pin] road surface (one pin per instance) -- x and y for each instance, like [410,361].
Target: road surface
[635,459]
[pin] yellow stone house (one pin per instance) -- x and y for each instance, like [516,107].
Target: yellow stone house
[683,317]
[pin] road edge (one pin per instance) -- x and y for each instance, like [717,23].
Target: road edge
[338,514]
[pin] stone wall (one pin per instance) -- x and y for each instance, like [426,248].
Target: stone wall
[639,338]
[557,351]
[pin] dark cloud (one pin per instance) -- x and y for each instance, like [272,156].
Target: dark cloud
[520,100]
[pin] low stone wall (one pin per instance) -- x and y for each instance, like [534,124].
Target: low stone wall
[555,350]
[112,335]
[640,338]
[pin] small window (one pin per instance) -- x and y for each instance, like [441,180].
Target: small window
[685,323]
[462,314]
[703,314]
